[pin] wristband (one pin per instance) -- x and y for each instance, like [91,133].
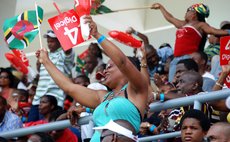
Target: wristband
[87,110]
[144,65]
[152,128]
[101,39]
[154,96]
[218,84]
[162,97]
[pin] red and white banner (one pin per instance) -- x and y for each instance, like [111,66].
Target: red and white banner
[224,50]
[66,26]
[227,81]
[225,55]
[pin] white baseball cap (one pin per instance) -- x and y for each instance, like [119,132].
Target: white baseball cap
[50,33]
[224,23]
[113,126]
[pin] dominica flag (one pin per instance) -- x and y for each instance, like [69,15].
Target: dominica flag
[20,30]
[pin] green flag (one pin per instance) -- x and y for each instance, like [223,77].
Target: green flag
[80,66]
[20,30]
[98,8]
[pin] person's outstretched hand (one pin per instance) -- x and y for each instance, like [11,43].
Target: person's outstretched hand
[92,25]
[130,30]
[156,6]
[144,54]
[72,115]
[42,55]
[158,80]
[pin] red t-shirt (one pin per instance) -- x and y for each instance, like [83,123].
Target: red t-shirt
[34,123]
[67,136]
[187,41]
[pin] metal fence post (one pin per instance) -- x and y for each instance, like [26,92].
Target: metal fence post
[197,105]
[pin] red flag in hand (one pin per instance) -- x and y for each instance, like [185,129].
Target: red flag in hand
[16,63]
[125,38]
[83,8]
[21,55]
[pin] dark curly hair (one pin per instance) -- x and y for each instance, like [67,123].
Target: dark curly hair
[198,115]
[135,62]
[190,64]
[10,76]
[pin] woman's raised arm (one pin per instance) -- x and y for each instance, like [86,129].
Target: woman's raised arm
[83,95]
[137,81]
[168,16]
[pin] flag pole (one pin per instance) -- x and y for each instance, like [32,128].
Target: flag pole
[136,8]
[38,23]
[55,5]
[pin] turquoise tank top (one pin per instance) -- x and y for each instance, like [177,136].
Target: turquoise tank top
[114,109]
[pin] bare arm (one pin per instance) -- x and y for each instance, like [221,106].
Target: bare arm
[170,95]
[144,67]
[211,30]
[168,16]
[121,61]
[83,95]
[140,35]
[220,105]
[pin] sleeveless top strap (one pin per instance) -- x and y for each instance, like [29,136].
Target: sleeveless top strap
[124,87]
[111,92]
[107,95]
[126,94]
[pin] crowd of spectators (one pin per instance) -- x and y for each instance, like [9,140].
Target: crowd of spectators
[118,94]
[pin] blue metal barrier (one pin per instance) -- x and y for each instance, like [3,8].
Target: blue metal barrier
[58,125]
[189,100]
[160,136]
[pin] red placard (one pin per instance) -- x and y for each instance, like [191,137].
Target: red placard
[227,81]
[224,50]
[225,55]
[66,26]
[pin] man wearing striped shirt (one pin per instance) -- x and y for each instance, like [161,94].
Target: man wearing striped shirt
[64,61]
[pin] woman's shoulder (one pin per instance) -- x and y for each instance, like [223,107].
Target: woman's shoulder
[102,94]
[201,25]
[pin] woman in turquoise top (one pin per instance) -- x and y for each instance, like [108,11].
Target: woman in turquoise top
[119,72]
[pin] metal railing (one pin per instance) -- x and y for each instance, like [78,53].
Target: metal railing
[160,136]
[58,125]
[189,100]
[195,100]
